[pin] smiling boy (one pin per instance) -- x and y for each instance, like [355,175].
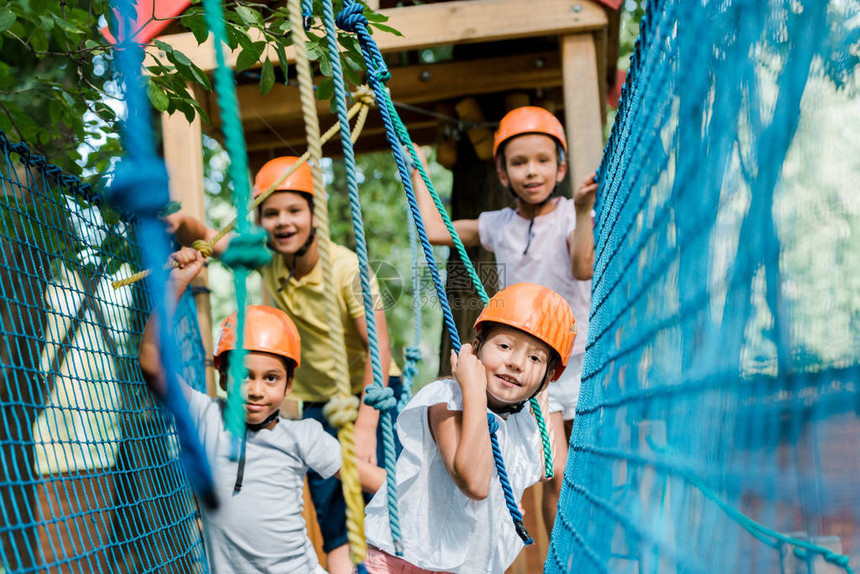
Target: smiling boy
[293,282]
[258,525]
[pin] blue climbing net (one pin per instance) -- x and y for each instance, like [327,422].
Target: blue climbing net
[90,479]
[717,428]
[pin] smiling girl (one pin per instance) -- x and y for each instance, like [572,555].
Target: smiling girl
[453,515]
[542,238]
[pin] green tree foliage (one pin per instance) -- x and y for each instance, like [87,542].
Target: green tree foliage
[59,94]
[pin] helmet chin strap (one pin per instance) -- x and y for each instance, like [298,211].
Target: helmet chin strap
[536,207]
[512,409]
[508,409]
[307,245]
[240,471]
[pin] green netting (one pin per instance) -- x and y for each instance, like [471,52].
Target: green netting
[90,479]
[718,427]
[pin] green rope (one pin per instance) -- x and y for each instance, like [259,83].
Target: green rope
[243,257]
[403,136]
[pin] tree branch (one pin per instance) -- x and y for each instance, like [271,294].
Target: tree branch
[12,120]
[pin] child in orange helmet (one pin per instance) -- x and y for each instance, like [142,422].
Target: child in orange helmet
[258,525]
[454,515]
[293,282]
[543,238]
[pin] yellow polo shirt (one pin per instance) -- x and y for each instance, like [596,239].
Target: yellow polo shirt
[304,301]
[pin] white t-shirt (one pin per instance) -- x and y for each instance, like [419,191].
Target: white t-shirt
[547,261]
[442,528]
[260,528]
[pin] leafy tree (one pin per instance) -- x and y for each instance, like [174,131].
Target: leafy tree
[60,95]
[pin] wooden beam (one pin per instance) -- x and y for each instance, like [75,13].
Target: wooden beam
[265,145]
[581,105]
[601,38]
[442,24]
[183,154]
[413,85]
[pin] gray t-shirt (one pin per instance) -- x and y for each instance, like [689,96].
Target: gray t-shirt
[261,528]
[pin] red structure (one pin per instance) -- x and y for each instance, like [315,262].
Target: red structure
[153,16]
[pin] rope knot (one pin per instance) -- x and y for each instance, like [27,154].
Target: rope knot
[413,353]
[351,17]
[492,423]
[341,411]
[382,74]
[409,371]
[39,161]
[364,95]
[380,398]
[247,251]
[139,186]
[53,170]
[203,247]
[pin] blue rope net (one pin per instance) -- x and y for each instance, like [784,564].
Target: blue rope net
[90,477]
[717,429]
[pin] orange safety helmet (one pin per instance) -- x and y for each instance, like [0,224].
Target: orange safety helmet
[267,330]
[538,311]
[528,120]
[301,179]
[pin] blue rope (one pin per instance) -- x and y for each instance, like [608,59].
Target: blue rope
[140,187]
[510,501]
[352,19]
[379,397]
[307,18]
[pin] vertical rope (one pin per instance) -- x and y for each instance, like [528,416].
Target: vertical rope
[341,410]
[413,351]
[140,187]
[548,444]
[377,396]
[352,19]
[510,501]
[242,257]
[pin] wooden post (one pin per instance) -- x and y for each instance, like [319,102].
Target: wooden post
[446,145]
[581,81]
[183,153]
